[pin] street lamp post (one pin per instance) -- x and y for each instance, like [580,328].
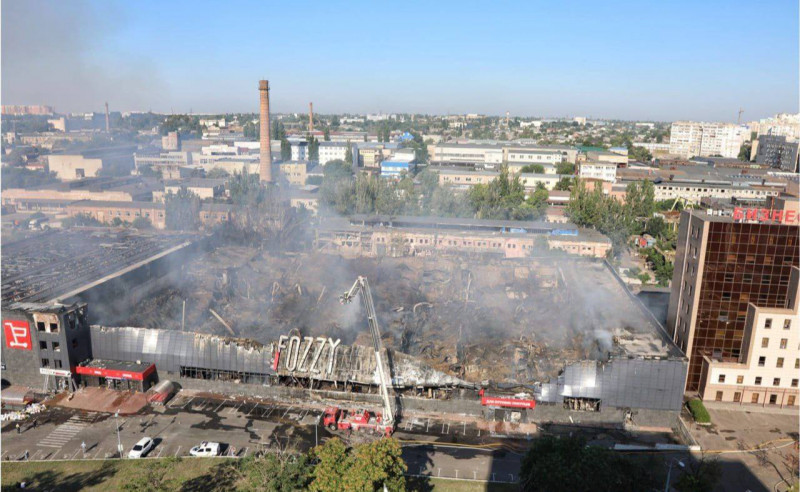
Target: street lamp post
[119,442]
[669,471]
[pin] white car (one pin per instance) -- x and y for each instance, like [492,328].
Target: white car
[141,448]
[205,449]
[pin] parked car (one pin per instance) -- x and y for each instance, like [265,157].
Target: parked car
[141,448]
[205,449]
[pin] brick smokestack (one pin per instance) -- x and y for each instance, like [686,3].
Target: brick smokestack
[311,117]
[265,168]
[108,121]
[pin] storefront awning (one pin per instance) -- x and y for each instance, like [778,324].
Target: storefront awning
[112,369]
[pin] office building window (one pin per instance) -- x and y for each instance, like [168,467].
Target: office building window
[719,396]
[739,379]
[764,342]
[721,378]
[45,362]
[42,345]
[758,380]
[776,381]
[768,323]
[794,383]
[787,323]
[56,347]
[762,361]
[754,398]
[784,342]
[779,363]
[40,325]
[58,364]
[773,399]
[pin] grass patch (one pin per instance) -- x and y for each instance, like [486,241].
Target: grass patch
[100,475]
[197,474]
[426,484]
[699,412]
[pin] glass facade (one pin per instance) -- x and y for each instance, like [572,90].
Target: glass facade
[744,263]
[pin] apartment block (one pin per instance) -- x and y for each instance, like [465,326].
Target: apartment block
[690,139]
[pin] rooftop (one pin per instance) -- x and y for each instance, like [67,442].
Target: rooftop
[60,264]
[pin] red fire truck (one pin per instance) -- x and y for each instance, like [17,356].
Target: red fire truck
[337,419]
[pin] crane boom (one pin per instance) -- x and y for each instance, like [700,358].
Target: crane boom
[362,285]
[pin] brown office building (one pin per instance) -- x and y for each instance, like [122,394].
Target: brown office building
[721,267]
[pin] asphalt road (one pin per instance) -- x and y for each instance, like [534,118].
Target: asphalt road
[431,447]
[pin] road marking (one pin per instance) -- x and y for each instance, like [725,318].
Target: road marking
[474,475]
[512,476]
[76,453]
[245,452]
[287,411]
[251,410]
[177,451]
[3,455]
[492,477]
[223,402]
[187,402]
[456,472]
[427,425]
[439,474]
[63,433]
[34,454]
[160,450]
[268,409]
[465,428]
[97,453]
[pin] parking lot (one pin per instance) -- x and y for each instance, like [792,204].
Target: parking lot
[247,426]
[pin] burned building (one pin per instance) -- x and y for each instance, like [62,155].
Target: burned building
[111,269]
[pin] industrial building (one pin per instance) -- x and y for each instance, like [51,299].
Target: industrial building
[464,179]
[724,265]
[112,269]
[491,155]
[89,164]
[375,236]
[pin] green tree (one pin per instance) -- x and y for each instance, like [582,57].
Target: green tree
[564,167]
[640,154]
[377,465]
[277,472]
[327,134]
[20,177]
[81,220]
[348,154]
[141,223]
[533,168]
[333,465]
[182,210]
[313,149]
[700,476]
[218,173]
[286,150]
[564,184]
[567,463]
[744,152]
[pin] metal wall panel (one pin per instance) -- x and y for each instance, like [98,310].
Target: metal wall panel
[169,350]
[627,383]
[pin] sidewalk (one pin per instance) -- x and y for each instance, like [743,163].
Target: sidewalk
[750,407]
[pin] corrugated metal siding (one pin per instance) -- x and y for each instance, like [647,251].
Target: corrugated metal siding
[169,350]
[634,383]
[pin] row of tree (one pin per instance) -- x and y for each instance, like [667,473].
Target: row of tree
[502,198]
[332,466]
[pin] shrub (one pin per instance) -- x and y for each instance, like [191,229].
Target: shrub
[699,412]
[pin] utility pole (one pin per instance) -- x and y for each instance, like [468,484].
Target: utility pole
[119,441]
[739,119]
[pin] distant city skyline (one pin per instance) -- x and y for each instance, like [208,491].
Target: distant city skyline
[629,60]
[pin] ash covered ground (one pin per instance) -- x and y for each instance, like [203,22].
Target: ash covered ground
[491,319]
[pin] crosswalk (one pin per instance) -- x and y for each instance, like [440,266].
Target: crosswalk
[66,431]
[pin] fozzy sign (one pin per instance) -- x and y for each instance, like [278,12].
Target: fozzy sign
[314,356]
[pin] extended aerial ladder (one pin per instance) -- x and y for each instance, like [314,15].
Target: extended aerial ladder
[334,417]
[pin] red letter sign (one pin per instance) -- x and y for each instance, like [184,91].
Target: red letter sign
[18,335]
